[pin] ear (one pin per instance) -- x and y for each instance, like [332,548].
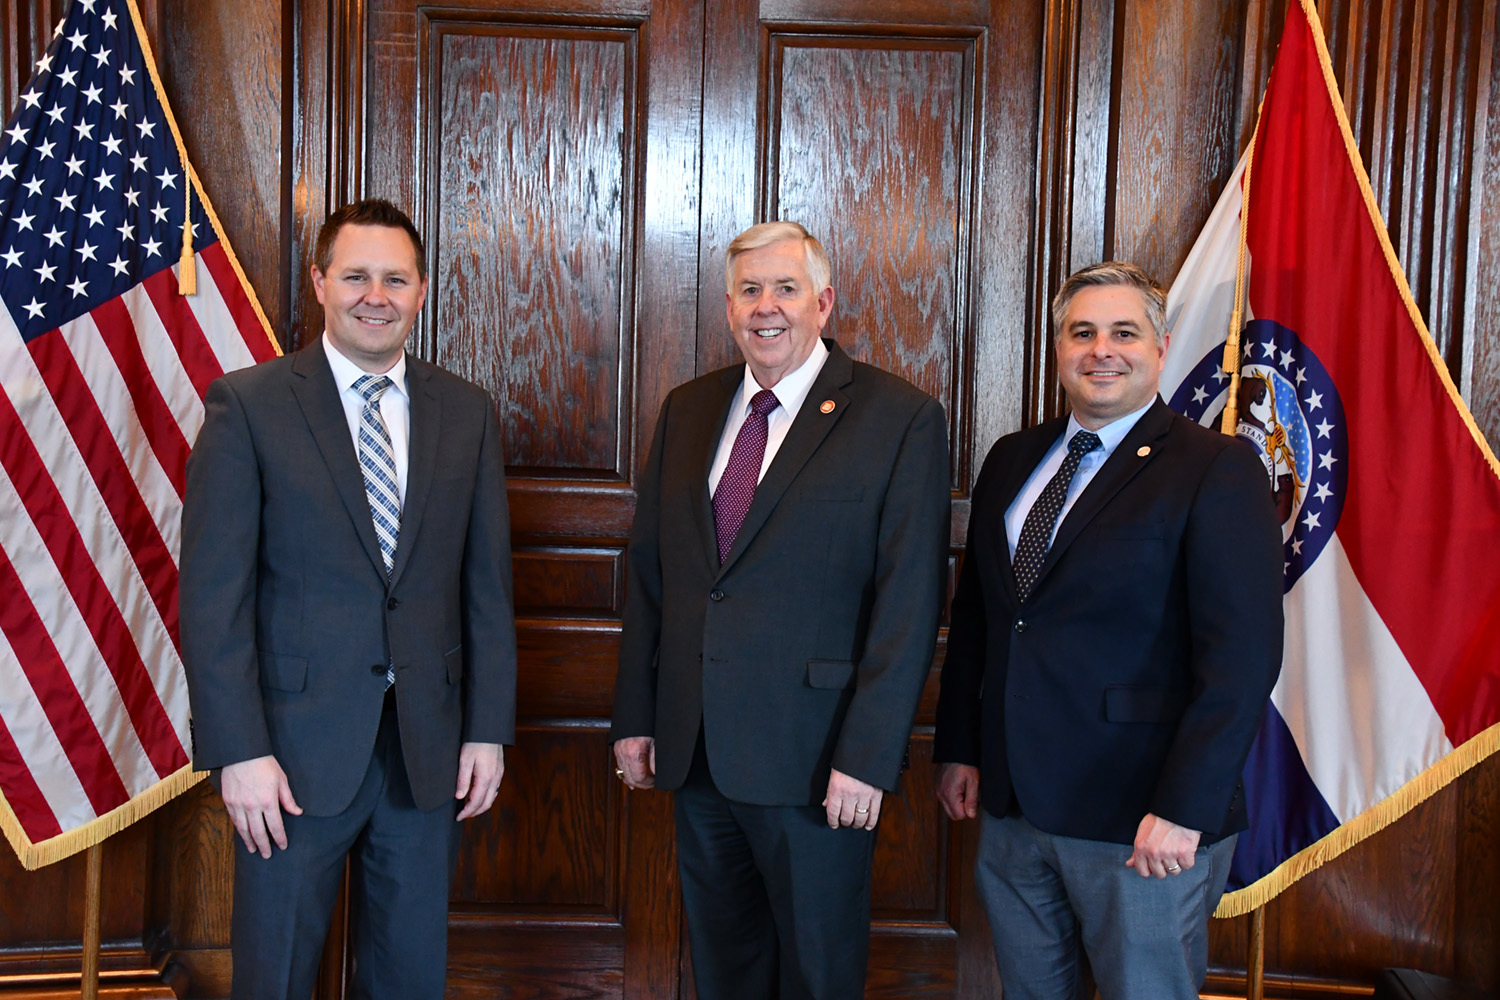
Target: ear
[825,305]
[317,280]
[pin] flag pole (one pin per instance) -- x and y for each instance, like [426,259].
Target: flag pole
[1231,362]
[93,893]
[1256,967]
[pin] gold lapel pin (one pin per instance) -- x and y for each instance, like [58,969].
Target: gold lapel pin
[827,406]
[1143,451]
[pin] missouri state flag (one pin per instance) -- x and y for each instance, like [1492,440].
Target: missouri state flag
[103,365]
[1388,494]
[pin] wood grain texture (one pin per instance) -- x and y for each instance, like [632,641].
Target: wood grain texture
[568,581]
[909,858]
[870,140]
[1481,347]
[534,179]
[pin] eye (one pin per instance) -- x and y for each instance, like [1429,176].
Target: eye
[788,289]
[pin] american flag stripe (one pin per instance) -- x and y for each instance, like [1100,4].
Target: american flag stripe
[165,423]
[103,365]
[242,341]
[79,408]
[87,759]
[183,331]
[59,482]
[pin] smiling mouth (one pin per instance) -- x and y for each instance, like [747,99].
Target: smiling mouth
[769,334]
[375,320]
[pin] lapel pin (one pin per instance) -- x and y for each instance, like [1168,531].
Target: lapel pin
[1143,451]
[827,406]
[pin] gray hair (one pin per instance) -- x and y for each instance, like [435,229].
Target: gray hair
[819,268]
[1107,274]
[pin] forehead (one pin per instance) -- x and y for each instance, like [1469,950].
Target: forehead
[385,248]
[1107,305]
[782,259]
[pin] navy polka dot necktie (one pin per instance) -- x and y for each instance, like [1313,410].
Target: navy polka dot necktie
[1036,533]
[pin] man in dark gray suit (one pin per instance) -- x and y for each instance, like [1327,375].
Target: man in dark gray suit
[1116,632]
[786,572]
[347,626]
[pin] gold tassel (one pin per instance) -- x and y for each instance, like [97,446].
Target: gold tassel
[187,272]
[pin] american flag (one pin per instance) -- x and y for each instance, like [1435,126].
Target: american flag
[103,365]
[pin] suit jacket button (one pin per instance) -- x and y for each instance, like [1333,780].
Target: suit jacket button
[392,604]
[716,595]
[377,668]
[1020,624]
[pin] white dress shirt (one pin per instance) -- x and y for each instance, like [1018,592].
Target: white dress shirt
[790,393]
[395,405]
[1110,436]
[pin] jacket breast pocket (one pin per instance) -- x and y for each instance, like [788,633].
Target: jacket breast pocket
[453,663]
[1131,703]
[283,673]
[830,674]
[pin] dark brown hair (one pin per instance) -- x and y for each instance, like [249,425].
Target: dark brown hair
[366,212]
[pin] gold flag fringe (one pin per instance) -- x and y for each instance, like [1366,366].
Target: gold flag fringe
[1385,812]
[34,856]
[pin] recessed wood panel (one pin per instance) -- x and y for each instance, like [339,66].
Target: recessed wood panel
[871,141]
[562,581]
[531,167]
[910,849]
[487,960]
[550,844]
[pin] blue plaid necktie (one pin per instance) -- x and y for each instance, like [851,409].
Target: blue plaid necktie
[377,460]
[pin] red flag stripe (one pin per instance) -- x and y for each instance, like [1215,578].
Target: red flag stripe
[1396,527]
[39,494]
[92,434]
[246,323]
[177,319]
[22,793]
[72,726]
[161,426]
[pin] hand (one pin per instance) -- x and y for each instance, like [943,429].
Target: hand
[851,802]
[254,792]
[1162,848]
[958,790]
[480,768]
[635,756]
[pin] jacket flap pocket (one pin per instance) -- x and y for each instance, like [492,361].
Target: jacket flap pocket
[830,674]
[283,673]
[1143,704]
[453,663]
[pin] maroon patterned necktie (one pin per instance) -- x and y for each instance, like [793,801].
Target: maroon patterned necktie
[737,484]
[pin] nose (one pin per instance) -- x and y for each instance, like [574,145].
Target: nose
[765,302]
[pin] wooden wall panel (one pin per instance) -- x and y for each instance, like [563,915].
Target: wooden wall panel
[534,190]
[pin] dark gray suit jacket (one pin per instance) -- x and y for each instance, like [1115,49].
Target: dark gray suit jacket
[809,647]
[288,620]
[1134,677]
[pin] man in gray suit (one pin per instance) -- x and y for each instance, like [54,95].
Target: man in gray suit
[347,626]
[786,572]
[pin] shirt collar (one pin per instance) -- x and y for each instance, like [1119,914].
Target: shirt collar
[346,372]
[794,386]
[1112,433]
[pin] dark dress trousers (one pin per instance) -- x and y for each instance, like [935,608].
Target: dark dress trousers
[289,621]
[808,648]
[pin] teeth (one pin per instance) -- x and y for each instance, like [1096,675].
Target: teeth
[768,334]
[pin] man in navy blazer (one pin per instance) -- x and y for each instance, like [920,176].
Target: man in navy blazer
[347,626]
[786,572]
[1116,631]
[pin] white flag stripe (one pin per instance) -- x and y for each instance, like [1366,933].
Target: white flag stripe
[1364,730]
[96,527]
[108,387]
[1201,301]
[38,744]
[225,339]
[164,362]
[42,581]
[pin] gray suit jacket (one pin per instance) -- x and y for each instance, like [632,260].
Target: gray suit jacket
[808,648]
[288,620]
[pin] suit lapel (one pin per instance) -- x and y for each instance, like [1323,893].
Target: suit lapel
[802,440]
[1123,465]
[705,445]
[421,462]
[318,396]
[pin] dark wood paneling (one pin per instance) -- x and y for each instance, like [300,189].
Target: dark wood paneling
[534,193]
[562,581]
